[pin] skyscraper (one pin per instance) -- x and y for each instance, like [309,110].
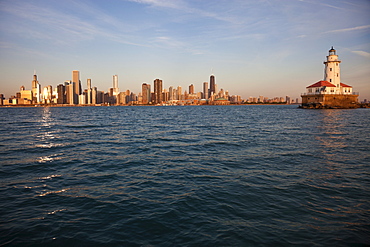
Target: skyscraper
[76,86]
[212,84]
[61,94]
[205,90]
[157,91]
[145,92]
[115,85]
[89,92]
[191,89]
[70,93]
[36,90]
[179,93]
[170,93]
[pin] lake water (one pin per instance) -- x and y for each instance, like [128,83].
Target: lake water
[184,176]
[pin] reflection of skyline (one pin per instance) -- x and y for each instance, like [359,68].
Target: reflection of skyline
[46,136]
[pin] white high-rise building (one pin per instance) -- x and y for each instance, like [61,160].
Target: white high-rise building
[89,92]
[115,85]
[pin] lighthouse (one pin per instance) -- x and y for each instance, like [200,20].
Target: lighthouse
[332,69]
[330,92]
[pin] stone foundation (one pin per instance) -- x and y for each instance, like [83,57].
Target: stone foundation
[330,101]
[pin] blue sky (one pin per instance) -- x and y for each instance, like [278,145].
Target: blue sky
[269,48]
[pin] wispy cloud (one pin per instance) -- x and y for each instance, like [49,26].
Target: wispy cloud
[184,7]
[323,4]
[45,23]
[349,29]
[180,46]
[362,53]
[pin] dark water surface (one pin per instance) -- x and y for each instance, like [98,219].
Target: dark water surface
[184,176]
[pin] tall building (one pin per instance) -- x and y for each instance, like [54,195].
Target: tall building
[36,90]
[115,85]
[94,95]
[205,90]
[170,93]
[76,85]
[191,89]
[145,92]
[212,84]
[70,95]
[89,92]
[47,94]
[158,91]
[61,94]
[179,93]
[88,83]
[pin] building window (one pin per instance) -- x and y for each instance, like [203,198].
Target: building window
[331,69]
[330,80]
[337,74]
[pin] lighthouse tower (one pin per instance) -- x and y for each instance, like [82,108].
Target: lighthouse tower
[332,69]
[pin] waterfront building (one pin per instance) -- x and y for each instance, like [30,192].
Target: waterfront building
[212,85]
[330,92]
[220,101]
[191,89]
[47,94]
[94,95]
[115,85]
[165,96]
[179,93]
[26,94]
[145,93]
[170,93]
[61,97]
[235,99]
[158,91]
[82,99]
[76,86]
[205,90]
[70,92]
[36,90]
[89,92]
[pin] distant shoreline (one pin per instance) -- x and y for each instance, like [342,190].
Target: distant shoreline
[66,105]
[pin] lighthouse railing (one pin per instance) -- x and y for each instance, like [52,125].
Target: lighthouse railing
[319,93]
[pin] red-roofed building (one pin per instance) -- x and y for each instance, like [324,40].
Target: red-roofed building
[330,91]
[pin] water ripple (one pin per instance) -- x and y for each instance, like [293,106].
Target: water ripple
[187,176]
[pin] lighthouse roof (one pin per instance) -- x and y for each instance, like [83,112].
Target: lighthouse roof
[344,85]
[321,84]
[326,84]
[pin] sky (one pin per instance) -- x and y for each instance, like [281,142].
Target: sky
[269,48]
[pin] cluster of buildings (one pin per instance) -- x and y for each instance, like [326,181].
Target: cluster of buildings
[71,93]
[275,100]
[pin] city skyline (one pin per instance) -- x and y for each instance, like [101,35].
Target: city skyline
[261,48]
[73,92]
